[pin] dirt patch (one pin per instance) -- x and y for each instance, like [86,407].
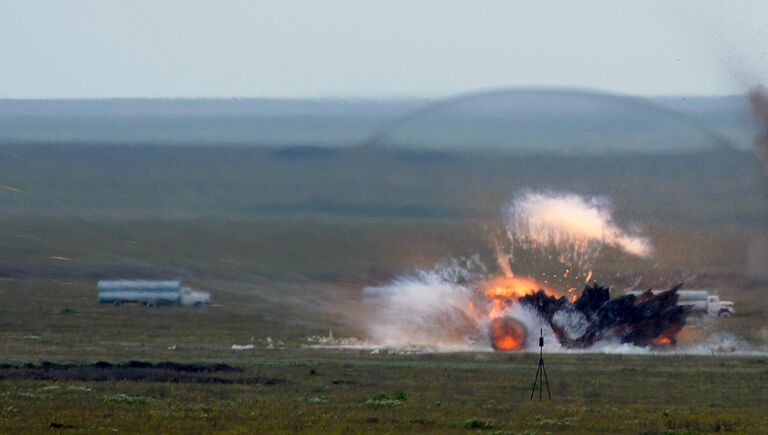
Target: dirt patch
[140,371]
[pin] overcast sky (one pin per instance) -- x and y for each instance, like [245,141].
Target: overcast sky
[186,48]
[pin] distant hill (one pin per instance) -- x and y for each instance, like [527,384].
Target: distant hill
[522,115]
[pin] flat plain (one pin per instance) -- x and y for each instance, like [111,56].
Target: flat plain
[286,243]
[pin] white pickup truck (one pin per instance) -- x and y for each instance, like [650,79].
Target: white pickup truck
[698,301]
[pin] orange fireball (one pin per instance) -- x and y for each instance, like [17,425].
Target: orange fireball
[506,334]
[663,340]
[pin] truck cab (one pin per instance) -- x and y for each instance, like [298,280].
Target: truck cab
[716,307]
[194,298]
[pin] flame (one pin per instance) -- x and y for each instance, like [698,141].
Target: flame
[507,334]
[509,287]
[502,291]
[663,340]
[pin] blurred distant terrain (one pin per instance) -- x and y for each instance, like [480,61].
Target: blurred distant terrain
[321,122]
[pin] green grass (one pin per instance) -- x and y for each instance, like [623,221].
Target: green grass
[453,393]
[329,391]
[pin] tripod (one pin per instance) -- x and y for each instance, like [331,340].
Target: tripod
[541,372]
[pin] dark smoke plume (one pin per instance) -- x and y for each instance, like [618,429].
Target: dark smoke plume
[640,320]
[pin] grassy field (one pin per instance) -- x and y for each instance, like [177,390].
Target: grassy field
[290,388]
[320,391]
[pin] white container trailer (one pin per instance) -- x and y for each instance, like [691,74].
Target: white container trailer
[150,293]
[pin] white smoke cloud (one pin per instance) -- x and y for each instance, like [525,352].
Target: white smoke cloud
[574,227]
[421,310]
[441,309]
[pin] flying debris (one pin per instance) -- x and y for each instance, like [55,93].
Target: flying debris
[642,320]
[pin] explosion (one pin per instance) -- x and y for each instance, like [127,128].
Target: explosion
[459,305]
[499,311]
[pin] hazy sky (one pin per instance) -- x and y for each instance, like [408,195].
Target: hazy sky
[186,48]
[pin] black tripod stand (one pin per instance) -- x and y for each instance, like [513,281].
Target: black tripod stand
[541,372]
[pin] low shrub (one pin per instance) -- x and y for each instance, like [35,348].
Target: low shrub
[478,423]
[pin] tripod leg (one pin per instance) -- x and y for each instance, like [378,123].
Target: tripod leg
[544,369]
[541,377]
[536,379]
